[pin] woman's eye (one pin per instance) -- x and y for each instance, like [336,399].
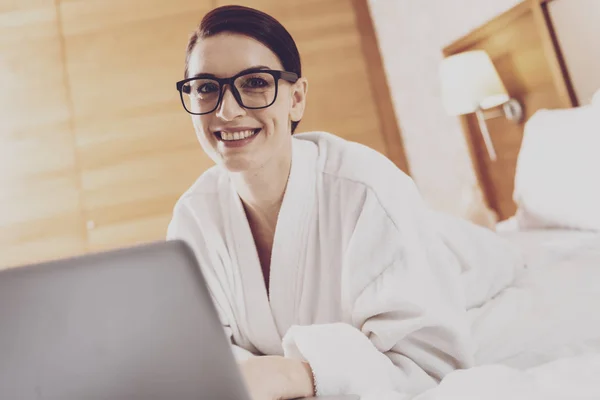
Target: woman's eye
[255,83]
[208,88]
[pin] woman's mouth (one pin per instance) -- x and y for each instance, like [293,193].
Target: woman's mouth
[225,136]
[238,138]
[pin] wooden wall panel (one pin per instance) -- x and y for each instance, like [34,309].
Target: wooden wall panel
[40,213]
[340,96]
[137,145]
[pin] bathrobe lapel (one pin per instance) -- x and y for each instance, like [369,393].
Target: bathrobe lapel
[268,317]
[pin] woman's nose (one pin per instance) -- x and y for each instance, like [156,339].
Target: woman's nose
[229,108]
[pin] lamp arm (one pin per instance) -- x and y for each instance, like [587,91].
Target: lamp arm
[486,134]
[493,114]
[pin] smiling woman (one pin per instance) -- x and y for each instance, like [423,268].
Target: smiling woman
[308,235]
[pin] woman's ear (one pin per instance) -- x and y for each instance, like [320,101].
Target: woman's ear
[298,92]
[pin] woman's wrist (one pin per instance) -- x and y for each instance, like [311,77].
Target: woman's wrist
[301,380]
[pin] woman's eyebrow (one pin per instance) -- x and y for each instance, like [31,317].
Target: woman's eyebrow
[253,68]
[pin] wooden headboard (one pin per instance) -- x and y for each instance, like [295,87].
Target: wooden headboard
[538,64]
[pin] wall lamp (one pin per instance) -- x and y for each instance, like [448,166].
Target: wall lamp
[471,84]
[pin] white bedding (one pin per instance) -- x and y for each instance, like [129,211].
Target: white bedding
[547,246]
[538,339]
[552,309]
[573,378]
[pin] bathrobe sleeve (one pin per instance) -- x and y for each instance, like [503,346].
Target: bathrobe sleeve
[406,323]
[184,226]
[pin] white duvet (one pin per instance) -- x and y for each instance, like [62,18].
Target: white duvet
[551,310]
[540,337]
[568,378]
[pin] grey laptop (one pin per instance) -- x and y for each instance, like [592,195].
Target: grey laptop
[130,324]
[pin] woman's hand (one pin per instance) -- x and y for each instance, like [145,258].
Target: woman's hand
[277,378]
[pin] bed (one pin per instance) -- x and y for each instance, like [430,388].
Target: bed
[539,337]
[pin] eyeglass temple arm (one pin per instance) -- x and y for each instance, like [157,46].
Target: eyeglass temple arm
[289,76]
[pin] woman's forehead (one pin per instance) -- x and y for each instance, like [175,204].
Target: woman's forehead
[225,55]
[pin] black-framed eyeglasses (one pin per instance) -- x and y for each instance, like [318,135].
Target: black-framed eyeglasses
[252,89]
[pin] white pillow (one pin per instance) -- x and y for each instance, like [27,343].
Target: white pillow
[557,180]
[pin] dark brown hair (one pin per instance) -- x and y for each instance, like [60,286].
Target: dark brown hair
[254,24]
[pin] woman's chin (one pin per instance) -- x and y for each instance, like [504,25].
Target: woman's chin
[237,163]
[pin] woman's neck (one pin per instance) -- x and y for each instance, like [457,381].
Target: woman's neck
[262,189]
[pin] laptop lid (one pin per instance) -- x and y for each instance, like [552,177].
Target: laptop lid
[130,324]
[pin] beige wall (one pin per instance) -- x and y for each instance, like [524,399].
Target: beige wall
[411,34]
[572,21]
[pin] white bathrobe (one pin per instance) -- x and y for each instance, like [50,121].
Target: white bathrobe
[361,286]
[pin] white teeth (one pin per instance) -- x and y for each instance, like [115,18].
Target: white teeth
[228,136]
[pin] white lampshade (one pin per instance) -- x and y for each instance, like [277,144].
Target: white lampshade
[470,81]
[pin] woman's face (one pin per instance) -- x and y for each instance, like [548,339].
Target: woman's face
[225,55]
